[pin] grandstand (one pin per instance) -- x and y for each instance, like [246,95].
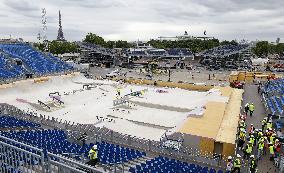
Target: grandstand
[21,60]
[273,95]
[227,56]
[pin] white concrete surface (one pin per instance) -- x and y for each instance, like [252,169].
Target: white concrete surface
[84,106]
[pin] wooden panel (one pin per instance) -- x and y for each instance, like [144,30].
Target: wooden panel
[228,149]
[206,145]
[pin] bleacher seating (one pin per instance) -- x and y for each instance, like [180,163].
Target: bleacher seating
[36,61]
[163,164]
[11,122]
[9,70]
[55,141]
[225,49]
[110,153]
[273,92]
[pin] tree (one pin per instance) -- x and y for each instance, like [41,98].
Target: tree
[94,39]
[59,47]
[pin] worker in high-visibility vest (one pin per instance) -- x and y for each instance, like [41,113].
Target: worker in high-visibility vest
[237,164]
[241,140]
[269,125]
[251,109]
[260,148]
[252,139]
[248,150]
[252,165]
[93,156]
[263,123]
[272,138]
[271,151]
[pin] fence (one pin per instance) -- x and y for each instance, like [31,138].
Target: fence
[19,157]
[75,130]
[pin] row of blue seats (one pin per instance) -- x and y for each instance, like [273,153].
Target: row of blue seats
[278,103]
[9,70]
[38,62]
[55,141]
[110,153]
[274,93]
[270,105]
[274,85]
[11,122]
[163,164]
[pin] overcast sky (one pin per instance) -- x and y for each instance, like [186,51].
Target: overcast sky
[144,19]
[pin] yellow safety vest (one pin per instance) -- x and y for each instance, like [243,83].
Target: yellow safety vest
[249,149]
[269,125]
[263,122]
[271,149]
[251,139]
[237,163]
[272,139]
[251,107]
[260,145]
[93,154]
[242,135]
[259,134]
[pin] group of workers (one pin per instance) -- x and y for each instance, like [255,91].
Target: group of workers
[249,107]
[253,141]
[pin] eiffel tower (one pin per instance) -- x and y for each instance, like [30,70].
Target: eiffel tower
[60,36]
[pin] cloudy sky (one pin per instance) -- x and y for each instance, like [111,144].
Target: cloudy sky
[144,19]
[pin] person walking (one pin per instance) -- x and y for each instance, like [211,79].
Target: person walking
[237,164]
[252,164]
[246,108]
[230,164]
[263,124]
[271,152]
[248,150]
[251,109]
[260,148]
[242,138]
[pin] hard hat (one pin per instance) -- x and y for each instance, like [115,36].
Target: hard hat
[251,124]
[230,158]
[238,155]
[95,147]
[252,156]
[277,140]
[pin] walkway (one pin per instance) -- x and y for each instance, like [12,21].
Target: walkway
[251,95]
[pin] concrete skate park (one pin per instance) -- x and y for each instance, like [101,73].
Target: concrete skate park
[208,119]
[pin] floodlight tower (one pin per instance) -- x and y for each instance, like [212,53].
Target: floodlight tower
[44,28]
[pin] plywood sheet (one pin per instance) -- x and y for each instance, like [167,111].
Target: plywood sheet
[229,125]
